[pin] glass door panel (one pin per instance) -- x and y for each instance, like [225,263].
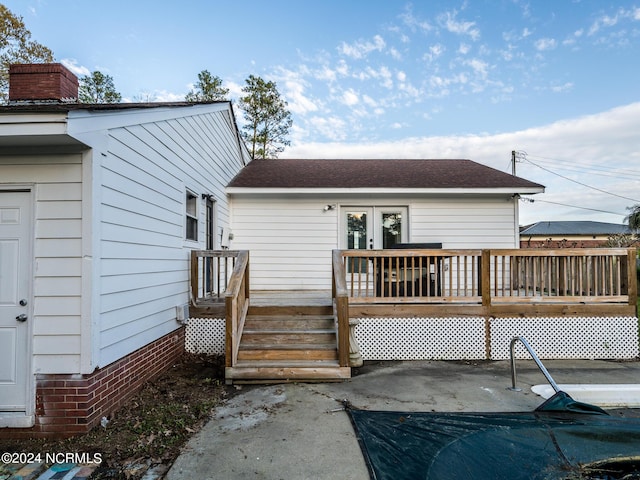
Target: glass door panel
[391,227]
[358,234]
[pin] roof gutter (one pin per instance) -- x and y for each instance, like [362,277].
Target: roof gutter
[396,191]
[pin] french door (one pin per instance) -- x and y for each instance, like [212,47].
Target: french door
[373,227]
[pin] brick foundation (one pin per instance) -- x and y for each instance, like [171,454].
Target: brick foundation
[562,243]
[71,404]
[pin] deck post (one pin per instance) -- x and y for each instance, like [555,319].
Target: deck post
[632,278]
[341,303]
[485,279]
[194,275]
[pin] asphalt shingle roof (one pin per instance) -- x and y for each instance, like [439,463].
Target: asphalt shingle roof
[374,173]
[574,228]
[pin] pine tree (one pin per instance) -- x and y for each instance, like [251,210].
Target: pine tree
[267,119]
[208,88]
[98,88]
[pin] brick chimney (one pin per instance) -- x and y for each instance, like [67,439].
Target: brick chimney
[42,82]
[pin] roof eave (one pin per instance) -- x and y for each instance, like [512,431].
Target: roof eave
[33,131]
[398,191]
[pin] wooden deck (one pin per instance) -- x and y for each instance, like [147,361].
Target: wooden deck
[276,336]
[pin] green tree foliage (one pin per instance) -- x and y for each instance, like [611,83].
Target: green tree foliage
[267,119]
[208,88]
[98,88]
[633,218]
[16,46]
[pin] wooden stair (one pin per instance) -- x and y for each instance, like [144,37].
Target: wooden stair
[288,344]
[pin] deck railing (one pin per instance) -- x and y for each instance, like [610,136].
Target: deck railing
[564,275]
[211,273]
[217,277]
[496,279]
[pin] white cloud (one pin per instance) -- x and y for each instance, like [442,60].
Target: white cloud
[395,53]
[369,101]
[478,66]
[434,52]
[545,44]
[342,68]
[331,127]
[413,22]
[164,96]
[294,90]
[361,49]
[449,22]
[411,91]
[350,98]
[327,74]
[608,139]
[235,89]
[604,21]
[608,21]
[72,64]
[441,84]
[383,74]
[562,88]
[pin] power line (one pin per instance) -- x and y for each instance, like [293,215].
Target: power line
[592,170]
[532,200]
[562,163]
[580,183]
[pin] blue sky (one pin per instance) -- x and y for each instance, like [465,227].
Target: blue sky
[558,81]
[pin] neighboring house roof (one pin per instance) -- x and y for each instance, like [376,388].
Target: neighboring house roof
[573,228]
[376,174]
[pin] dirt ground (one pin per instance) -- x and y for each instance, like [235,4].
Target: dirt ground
[153,426]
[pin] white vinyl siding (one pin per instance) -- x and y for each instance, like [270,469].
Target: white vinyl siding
[465,222]
[144,265]
[111,262]
[291,239]
[57,285]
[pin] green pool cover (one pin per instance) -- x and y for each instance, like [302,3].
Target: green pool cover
[562,439]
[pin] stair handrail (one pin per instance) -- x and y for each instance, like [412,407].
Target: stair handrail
[535,358]
[341,306]
[236,305]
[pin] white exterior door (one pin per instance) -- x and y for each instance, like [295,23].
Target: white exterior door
[15,281]
[374,227]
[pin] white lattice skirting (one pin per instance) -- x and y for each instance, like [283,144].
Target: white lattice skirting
[421,338]
[205,335]
[565,338]
[614,338]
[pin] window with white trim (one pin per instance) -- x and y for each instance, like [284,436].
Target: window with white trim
[191,217]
